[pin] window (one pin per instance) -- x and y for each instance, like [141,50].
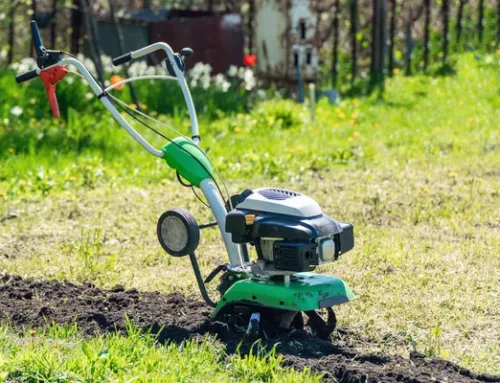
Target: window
[308,58]
[302,29]
[296,59]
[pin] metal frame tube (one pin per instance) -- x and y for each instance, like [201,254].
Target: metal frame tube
[218,208]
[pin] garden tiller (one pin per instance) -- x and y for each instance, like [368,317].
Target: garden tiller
[275,290]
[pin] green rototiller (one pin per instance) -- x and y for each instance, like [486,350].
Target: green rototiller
[288,230]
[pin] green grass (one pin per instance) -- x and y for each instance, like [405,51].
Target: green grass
[417,172]
[60,354]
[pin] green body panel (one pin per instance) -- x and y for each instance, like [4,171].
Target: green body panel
[307,291]
[188,159]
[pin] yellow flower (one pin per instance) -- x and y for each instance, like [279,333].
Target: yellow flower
[89,167]
[498,52]
[10,150]
[32,332]
[2,195]
[133,106]
[426,190]
[72,178]
[448,122]
[356,134]
[437,129]
[237,129]
[397,70]
[22,182]
[376,125]
[164,181]
[350,139]
[452,174]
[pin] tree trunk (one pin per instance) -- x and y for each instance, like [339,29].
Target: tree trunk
[379,42]
[480,21]
[94,47]
[354,43]
[121,45]
[76,26]
[445,14]
[53,25]
[335,53]
[11,42]
[427,25]
[392,35]
[460,16]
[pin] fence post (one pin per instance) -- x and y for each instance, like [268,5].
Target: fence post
[445,14]
[95,49]
[392,34]
[498,23]
[480,21]
[53,25]
[33,9]
[460,16]
[12,15]
[427,25]
[354,31]
[335,53]
[121,45]
[379,43]
[409,43]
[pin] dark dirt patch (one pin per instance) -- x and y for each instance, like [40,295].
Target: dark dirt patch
[29,303]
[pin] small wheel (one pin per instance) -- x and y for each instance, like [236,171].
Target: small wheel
[178,232]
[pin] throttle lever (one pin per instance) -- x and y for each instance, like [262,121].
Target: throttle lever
[50,77]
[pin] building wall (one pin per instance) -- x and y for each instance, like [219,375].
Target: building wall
[286,31]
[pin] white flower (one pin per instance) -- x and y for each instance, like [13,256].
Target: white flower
[232,71]
[221,83]
[249,79]
[16,111]
[88,95]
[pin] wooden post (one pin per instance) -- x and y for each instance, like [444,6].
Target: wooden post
[498,23]
[251,16]
[409,42]
[11,42]
[335,53]
[121,45]
[76,26]
[354,43]
[427,26]
[460,16]
[480,21]
[95,50]
[392,35]
[379,33]
[445,13]
[33,9]
[53,25]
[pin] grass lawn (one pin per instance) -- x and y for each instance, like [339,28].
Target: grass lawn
[417,173]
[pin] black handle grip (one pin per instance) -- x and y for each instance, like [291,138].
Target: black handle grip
[122,59]
[26,76]
[37,40]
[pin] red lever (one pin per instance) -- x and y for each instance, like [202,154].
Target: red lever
[50,77]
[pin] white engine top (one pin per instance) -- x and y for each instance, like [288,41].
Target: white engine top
[280,201]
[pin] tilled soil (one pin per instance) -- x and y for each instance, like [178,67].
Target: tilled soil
[30,304]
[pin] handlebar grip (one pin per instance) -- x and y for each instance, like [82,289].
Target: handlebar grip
[122,59]
[26,76]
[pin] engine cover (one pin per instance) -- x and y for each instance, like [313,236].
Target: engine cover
[289,230]
[280,201]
